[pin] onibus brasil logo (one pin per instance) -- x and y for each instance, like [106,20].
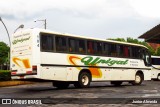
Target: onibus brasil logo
[93,63]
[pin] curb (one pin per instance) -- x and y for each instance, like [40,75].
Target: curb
[13,83]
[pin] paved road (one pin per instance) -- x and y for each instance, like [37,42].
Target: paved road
[98,91]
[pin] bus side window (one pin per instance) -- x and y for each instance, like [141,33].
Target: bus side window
[98,48]
[126,51]
[135,52]
[120,50]
[105,49]
[113,50]
[155,61]
[72,45]
[61,44]
[90,47]
[81,46]
[123,51]
[47,43]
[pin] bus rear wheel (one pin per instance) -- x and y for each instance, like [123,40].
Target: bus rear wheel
[83,80]
[158,77]
[60,84]
[138,79]
[116,83]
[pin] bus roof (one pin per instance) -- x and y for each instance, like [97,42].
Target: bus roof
[78,36]
[155,56]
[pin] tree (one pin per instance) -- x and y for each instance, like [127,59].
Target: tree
[158,51]
[118,39]
[4,53]
[131,40]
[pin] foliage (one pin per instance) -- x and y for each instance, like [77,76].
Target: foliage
[158,51]
[4,53]
[4,71]
[118,39]
[5,75]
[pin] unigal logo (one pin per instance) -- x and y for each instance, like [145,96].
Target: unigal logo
[93,62]
[20,40]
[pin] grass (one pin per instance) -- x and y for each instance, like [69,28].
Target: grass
[4,71]
[5,75]
[13,83]
[5,79]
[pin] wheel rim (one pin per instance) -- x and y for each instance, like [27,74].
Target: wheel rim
[85,80]
[138,79]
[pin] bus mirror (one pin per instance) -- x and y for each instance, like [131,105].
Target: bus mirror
[147,59]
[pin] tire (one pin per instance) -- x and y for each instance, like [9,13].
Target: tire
[116,83]
[158,77]
[155,79]
[60,84]
[138,79]
[83,80]
[77,85]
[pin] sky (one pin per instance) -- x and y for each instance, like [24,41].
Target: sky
[91,18]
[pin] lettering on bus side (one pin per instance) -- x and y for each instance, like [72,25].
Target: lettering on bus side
[110,62]
[20,40]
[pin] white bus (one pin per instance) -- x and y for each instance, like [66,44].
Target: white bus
[155,67]
[70,59]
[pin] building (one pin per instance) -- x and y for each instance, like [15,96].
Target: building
[152,37]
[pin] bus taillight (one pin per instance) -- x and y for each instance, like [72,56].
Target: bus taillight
[28,72]
[13,72]
[34,69]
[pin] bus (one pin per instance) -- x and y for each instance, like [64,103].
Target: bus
[64,59]
[155,67]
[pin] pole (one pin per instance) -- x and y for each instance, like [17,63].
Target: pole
[45,24]
[6,31]
[8,39]
[21,26]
